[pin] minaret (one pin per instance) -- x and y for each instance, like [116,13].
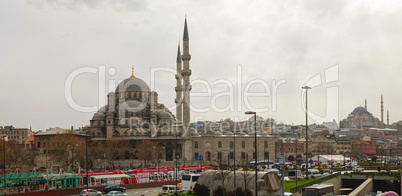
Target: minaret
[179,89]
[382,112]
[387,117]
[365,103]
[186,72]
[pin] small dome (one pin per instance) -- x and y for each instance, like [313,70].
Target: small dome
[164,115]
[217,133]
[132,84]
[99,116]
[194,133]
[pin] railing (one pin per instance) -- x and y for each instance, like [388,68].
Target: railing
[317,181]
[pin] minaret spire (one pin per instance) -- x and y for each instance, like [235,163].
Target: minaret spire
[387,117]
[365,103]
[185,34]
[179,87]
[382,112]
[132,72]
[186,72]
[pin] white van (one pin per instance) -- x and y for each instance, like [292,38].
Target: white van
[167,189]
[314,173]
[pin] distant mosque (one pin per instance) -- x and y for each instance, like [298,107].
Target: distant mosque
[361,118]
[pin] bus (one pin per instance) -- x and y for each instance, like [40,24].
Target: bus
[188,181]
[325,189]
[260,164]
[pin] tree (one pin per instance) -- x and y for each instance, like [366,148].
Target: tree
[221,175]
[63,146]
[148,151]
[116,147]
[258,118]
[247,176]
[228,120]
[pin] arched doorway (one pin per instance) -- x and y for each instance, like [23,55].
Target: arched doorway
[207,156]
[169,152]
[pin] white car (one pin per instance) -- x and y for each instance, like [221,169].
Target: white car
[92,192]
[358,169]
[115,193]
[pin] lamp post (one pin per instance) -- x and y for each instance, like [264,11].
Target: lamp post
[177,155]
[255,148]
[306,87]
[234,162]
[86,157]
[4,160]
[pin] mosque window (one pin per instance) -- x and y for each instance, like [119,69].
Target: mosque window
[266,144]
[243,144]
[196,145]
[231,144]
[219,144]
[219,155]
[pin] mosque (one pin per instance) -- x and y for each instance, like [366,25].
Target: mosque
[134,113]
[361,118]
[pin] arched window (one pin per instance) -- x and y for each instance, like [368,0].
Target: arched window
[196,145]
[116,133]
[99,134]
[219,144]
[243,144]
[231,144]
[266,144]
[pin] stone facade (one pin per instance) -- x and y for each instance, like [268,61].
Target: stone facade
[217,147]
[19,135]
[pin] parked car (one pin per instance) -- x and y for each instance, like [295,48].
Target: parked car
[92,192]
[114,188]
[116,193]
[358,169]
[325,172]
[167,189]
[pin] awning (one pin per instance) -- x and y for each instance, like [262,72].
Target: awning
[111,176]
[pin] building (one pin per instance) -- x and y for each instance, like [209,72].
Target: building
[364,148]
[360,118]
[289,149]
[323,146]
[19,135]
[343,145]
[133,113]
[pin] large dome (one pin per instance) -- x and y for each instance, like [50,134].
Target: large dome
[360,110]
[133,84]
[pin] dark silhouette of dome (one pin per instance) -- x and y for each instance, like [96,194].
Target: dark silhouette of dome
[132,84]
[360,111]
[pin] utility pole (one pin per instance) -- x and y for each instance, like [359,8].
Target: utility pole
[306,87]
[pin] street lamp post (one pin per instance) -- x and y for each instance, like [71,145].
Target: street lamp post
[306,87]
[86,157]
[255,148]
[4,160]
[234,162]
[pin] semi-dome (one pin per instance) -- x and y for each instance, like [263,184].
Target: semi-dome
[99,116]
[164,115]
[133,84]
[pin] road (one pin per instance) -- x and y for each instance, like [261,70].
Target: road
[143,191]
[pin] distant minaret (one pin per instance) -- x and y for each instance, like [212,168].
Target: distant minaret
[387,117]
[365,103]
[179,88]
[382,112]
[186,72]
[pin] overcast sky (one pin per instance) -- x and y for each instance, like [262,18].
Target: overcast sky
[286,42]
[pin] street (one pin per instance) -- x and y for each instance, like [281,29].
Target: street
[143,191]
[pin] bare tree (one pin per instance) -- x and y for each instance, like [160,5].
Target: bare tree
[247,176]
[221,176]
[147,151]
[63,146]
[116,148]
